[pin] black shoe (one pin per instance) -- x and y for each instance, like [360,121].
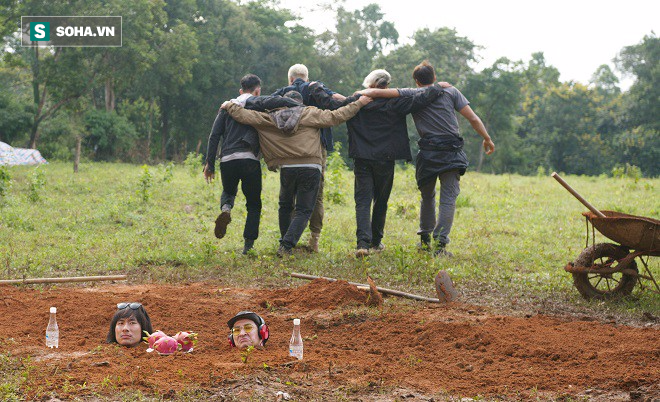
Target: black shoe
[249,245]
[284,251]
[221,224]
[425,242]
[441,251]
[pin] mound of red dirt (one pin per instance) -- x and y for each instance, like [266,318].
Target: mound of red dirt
[319,294]
[351,351]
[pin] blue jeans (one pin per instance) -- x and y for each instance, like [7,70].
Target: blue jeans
[298,190]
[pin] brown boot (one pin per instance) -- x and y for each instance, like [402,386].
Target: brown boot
[314,242]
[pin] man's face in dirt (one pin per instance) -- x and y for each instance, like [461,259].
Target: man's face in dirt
[245,333]
[128,331]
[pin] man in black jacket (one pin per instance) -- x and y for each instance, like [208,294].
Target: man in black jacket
[377,137]
[239,159]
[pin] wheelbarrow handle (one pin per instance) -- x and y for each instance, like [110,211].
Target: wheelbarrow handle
[576,195]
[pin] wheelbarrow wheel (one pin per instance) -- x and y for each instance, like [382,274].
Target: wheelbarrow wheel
[594,285]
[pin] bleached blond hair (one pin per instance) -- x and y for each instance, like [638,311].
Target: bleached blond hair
[377,79]
[298,71]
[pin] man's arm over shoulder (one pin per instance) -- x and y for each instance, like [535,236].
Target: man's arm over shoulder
[249,117]
[318,118]
[418,99]
[325,100]
[264,103]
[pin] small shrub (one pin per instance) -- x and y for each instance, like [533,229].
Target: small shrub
[629,171]
[167,171]
[36,184]
[144,190]
[540,171]
[335,168]
[5,182]
[194,163]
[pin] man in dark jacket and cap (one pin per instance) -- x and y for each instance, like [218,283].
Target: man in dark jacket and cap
[377,137]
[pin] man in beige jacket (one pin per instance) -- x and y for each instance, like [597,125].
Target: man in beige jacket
[290,139]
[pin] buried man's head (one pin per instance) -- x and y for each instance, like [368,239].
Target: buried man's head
[128,324]
[247,329]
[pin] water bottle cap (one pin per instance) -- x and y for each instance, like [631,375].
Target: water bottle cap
[53,310]
[296,321]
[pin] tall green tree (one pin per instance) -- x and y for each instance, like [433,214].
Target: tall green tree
[639,141]
[350,51]
[495,95]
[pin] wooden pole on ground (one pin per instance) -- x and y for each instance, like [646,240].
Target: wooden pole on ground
[366,287]
[64,280]
[578,196]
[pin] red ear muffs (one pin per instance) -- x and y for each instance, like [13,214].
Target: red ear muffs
[264,334]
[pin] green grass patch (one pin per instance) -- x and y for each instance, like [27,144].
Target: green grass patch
[512,234]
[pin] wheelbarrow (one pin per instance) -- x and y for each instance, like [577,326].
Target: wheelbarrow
[608,270]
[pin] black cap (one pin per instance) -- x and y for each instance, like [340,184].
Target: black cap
[254,317]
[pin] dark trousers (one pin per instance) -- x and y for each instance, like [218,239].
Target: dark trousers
[248,172]
[373,184]
[298,189]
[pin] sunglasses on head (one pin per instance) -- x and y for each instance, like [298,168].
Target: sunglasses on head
[132,305]
[247,328]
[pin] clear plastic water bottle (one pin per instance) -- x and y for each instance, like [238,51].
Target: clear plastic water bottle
[296,343]
[52,331]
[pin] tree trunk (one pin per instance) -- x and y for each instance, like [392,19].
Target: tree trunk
[109,96]
[34,132]
[149,127]
[165,111]
[481,158]
[76,157]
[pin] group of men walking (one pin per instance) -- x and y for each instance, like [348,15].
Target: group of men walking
[292,130]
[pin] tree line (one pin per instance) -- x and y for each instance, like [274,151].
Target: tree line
[155,98]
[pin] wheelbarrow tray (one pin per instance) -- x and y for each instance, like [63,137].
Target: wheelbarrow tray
[635,232]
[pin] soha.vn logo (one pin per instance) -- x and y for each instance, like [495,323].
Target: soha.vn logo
[39,31]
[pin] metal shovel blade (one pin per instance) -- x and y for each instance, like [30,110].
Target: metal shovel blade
[444,287]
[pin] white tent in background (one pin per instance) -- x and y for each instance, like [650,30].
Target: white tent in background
[19,156]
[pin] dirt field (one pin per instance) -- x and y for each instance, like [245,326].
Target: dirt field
[402,350]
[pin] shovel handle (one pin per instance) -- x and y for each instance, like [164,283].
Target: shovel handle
[576,195]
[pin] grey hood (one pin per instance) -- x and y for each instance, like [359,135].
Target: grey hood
[287,119]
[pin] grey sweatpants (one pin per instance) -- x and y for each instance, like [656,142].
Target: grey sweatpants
[449,190]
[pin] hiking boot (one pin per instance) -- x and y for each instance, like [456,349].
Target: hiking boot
[377,248]
[283,251]
[361,252]
[249,245]
[441,251]
[221,224]
[314,242]
[425,242]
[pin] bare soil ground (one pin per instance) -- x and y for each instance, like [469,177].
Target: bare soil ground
[399,351]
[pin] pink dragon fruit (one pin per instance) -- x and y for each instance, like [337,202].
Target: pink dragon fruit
[166,345]
[187,340]
[152,338]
